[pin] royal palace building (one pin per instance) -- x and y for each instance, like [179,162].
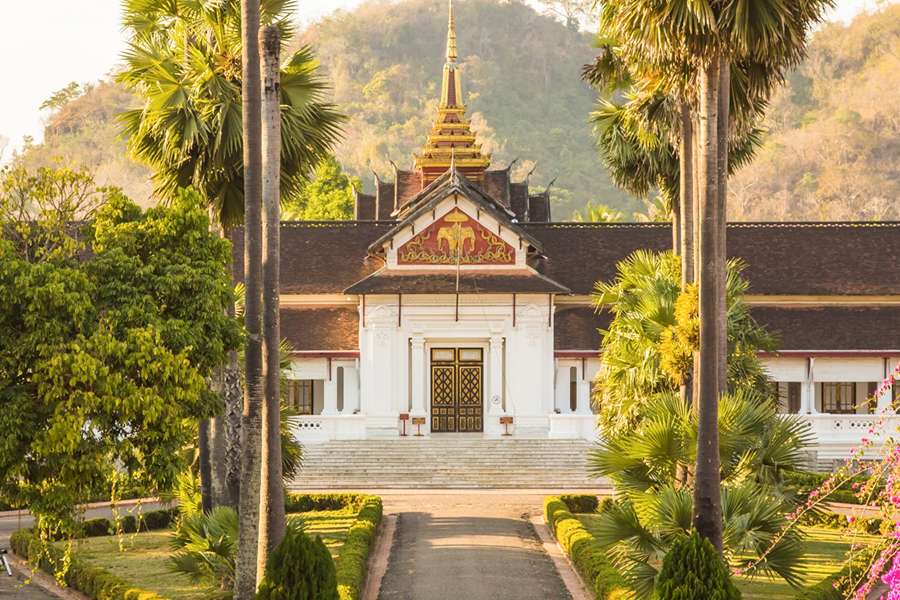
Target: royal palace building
[453,303]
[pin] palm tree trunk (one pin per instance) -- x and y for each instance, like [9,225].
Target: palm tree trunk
[723,130]
[204,468]
[686,238]
[245,581]
[707,517]
[271,504]
[233,394]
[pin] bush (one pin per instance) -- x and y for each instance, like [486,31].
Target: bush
[804,482]
[300,568]
[586,553]
[693,570]
[580,503]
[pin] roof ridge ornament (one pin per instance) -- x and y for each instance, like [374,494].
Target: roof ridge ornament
[451,35]
[451,132]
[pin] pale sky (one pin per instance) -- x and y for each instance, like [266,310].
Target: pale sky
[45,44]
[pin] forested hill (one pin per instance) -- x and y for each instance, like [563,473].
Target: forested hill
[521,82]
[832,151]
[833,148]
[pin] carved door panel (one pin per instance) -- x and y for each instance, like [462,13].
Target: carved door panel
[457,380]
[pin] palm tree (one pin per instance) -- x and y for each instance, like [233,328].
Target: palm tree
[272,526]
[709,37]
[184,60]
[246,566]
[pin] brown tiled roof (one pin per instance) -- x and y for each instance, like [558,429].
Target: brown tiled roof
[321,329]
[578,256]
[539,208]
[518,200]
[576,327]
[321,257]
[365,207]
[802,328]
[782,258]
[496,185]
[833,328]
[425,282]
[408,184]
[384,200]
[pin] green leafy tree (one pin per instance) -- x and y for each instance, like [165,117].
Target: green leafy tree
[328,197]
[110,326]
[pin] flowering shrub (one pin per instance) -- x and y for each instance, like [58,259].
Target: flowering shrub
[874,481]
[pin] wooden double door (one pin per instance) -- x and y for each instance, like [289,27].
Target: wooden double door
[457,390]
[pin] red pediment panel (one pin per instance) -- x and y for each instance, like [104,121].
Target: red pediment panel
[456,238]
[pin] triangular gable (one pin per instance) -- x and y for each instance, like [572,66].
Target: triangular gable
[453,187]
[456,238]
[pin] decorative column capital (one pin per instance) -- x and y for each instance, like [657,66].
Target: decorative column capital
[417,341]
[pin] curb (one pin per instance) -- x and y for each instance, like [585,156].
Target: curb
[41,580]
[131,502]
[570,577]
[380,557]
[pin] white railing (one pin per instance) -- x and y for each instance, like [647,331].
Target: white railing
[322,428]
[836,435]
[573,426]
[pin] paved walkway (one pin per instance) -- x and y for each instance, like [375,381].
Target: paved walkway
[455,545]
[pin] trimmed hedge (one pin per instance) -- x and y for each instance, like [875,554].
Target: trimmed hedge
[93,581]
[588,555]
[295,502]
[354,554]
[831,520]
[149,521]
[580,503]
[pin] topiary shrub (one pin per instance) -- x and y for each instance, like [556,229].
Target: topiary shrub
[693,570]
[300,568]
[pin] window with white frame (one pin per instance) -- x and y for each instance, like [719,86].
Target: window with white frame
[301,396]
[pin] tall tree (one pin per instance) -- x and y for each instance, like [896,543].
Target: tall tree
[183,59]
[271,507]
[696,44]
[246,565]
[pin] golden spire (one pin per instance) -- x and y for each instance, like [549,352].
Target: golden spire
[451,142]
[451,37]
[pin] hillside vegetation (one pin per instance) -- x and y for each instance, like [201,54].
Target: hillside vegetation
[832,151]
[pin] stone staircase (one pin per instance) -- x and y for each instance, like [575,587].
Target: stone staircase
[446,462]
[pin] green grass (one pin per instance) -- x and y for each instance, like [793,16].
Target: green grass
[142,559]
[826,551]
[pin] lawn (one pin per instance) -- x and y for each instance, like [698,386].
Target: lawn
[142,558]
[826,550]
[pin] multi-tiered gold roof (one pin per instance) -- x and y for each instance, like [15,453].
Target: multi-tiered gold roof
[451,140]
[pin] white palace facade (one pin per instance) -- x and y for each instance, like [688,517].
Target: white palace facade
[453,304]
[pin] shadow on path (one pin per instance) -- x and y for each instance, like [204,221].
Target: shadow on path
[459,556]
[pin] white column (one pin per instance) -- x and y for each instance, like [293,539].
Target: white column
[330,400]
[583,397]
[808,390]
[495,389]
[417,372]
[351,390]
[885,401]
[561,395]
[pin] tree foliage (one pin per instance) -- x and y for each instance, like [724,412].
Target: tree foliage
[647,346]
[329,196]
[109,328]
[184,61]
